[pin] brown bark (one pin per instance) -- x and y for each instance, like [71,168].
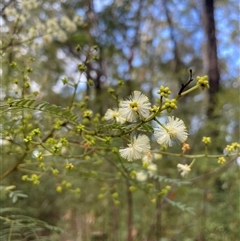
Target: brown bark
[212,60]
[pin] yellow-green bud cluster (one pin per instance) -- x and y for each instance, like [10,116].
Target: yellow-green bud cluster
[69,166]
[77,190]
[95,57]
[56,148]
[107,139]
[82,104]
[145,164]
[149,186]
[114,150]
[96,119]
[26,85]
[10,101]
[80,128]
[64,141]
[59,189]
[170,105]
[41,165]
[90,140]
[55,172]
[90,82]
[65,80]
[164,191]
[206,140]
[87,114]
[35,132]
[133,174]
[203,82]
[100,196]
[111,90]
[78,48]
[221,160]
[164,91]
[51,141]
[132,188]
[153,200]
[87,158]
[66,184]
[39,156]
[81,67]
[120,82]
[13,65]
[115,197]
[154,109]
[34,178]
[27,139]
[29,69]
[58,124]
[233,147]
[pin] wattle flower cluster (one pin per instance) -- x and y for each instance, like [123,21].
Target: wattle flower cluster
[137,107]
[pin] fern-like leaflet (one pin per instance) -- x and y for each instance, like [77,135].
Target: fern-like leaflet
[44,107]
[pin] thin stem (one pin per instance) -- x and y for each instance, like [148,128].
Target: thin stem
[159,211]
[12,168]
[155,119]
[193,156]
[188,82]
[74,95]
[130,212]
[188,91]
[210,174]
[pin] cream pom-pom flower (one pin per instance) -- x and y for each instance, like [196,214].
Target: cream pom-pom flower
[174,129]
[138,147]
[183,169]
[141,176]
[114,115]
[137,105]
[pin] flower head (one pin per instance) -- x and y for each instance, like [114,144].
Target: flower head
[138,147]
[141,176]
[152,168]
[136,106]
[148,157]
[114,115]
[173,130]
[183,169]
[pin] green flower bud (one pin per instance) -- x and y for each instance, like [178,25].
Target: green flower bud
[132,188]
[65,80]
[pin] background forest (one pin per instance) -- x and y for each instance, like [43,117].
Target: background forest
[63,65]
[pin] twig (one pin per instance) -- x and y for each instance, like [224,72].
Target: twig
[185,85]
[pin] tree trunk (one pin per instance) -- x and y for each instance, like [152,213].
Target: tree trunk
[211,56]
